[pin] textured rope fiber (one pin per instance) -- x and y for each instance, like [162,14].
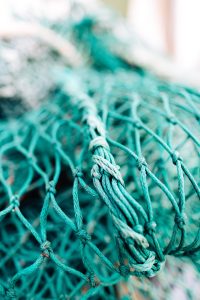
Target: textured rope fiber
[100,183]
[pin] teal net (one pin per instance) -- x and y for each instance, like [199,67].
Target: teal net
[100,182]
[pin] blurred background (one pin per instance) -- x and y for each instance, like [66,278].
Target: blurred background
[170,27]
[168,30]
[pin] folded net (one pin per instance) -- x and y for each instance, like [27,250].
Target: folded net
[100,182]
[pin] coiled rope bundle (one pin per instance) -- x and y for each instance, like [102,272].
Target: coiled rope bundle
[100,183]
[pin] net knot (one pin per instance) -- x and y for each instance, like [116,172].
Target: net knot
[46,248]
[139,228]
[78,172]
[137,124]
[150,227]
[172,119]
[57,146]
[31,159]
[124,270]
[91,279]
[175,157]
[51,187]
[15,201]
[95,172]
[141,162]
[83,236]
[180,220]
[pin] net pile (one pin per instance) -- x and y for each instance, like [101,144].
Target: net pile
[100,183]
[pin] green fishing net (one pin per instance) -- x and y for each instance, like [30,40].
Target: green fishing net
[100,182]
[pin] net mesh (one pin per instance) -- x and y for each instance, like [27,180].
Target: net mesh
[99,183]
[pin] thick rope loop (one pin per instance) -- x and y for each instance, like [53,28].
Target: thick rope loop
[98,142]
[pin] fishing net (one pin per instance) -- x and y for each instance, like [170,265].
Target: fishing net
[100,182]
